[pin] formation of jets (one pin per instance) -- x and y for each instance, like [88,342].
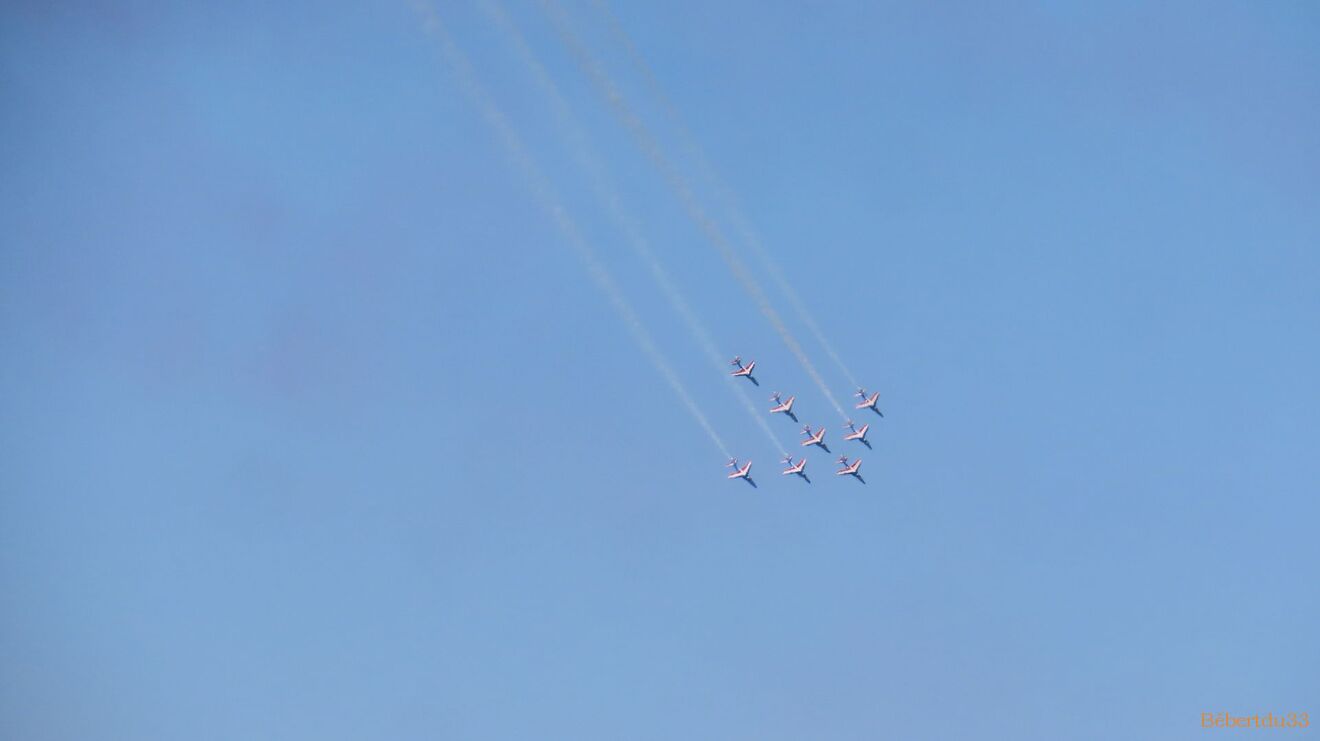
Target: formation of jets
[817,438]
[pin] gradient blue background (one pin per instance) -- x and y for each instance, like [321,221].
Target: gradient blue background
[311,427]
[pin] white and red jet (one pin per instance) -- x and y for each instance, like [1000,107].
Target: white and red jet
[744,473]
[814,439]
[799,469]
[857,434]
[868,402]
[848,470]
[743,370]
[783,407]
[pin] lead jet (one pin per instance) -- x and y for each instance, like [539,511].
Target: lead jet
[784,407]
[799,469]
[817,439]
[868,402]
[848,470]
[744,473]
[743,370]
[856,434]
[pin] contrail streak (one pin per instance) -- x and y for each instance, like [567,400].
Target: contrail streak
[651,147]
[547,199]
[591,162]
[707,172]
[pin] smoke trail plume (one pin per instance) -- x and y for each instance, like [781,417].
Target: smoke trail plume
[750,239]
[707,173]
[591,162]
[547,199]
[651,147]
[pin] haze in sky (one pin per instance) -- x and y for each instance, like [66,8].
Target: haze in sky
[314,424]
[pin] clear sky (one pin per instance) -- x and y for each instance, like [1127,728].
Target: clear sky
[312,426]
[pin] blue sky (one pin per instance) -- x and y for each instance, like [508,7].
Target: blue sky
[315,428]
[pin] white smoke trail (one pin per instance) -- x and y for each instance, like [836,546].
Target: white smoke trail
[651,147]
[591,162]
[750,239]
[707,173]
[546,197]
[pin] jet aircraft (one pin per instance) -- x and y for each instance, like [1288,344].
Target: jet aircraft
[743,370]
[786,407]
[857,434]
[814,439]
[744,473]
[869,402]
[799,469]
[850,470]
